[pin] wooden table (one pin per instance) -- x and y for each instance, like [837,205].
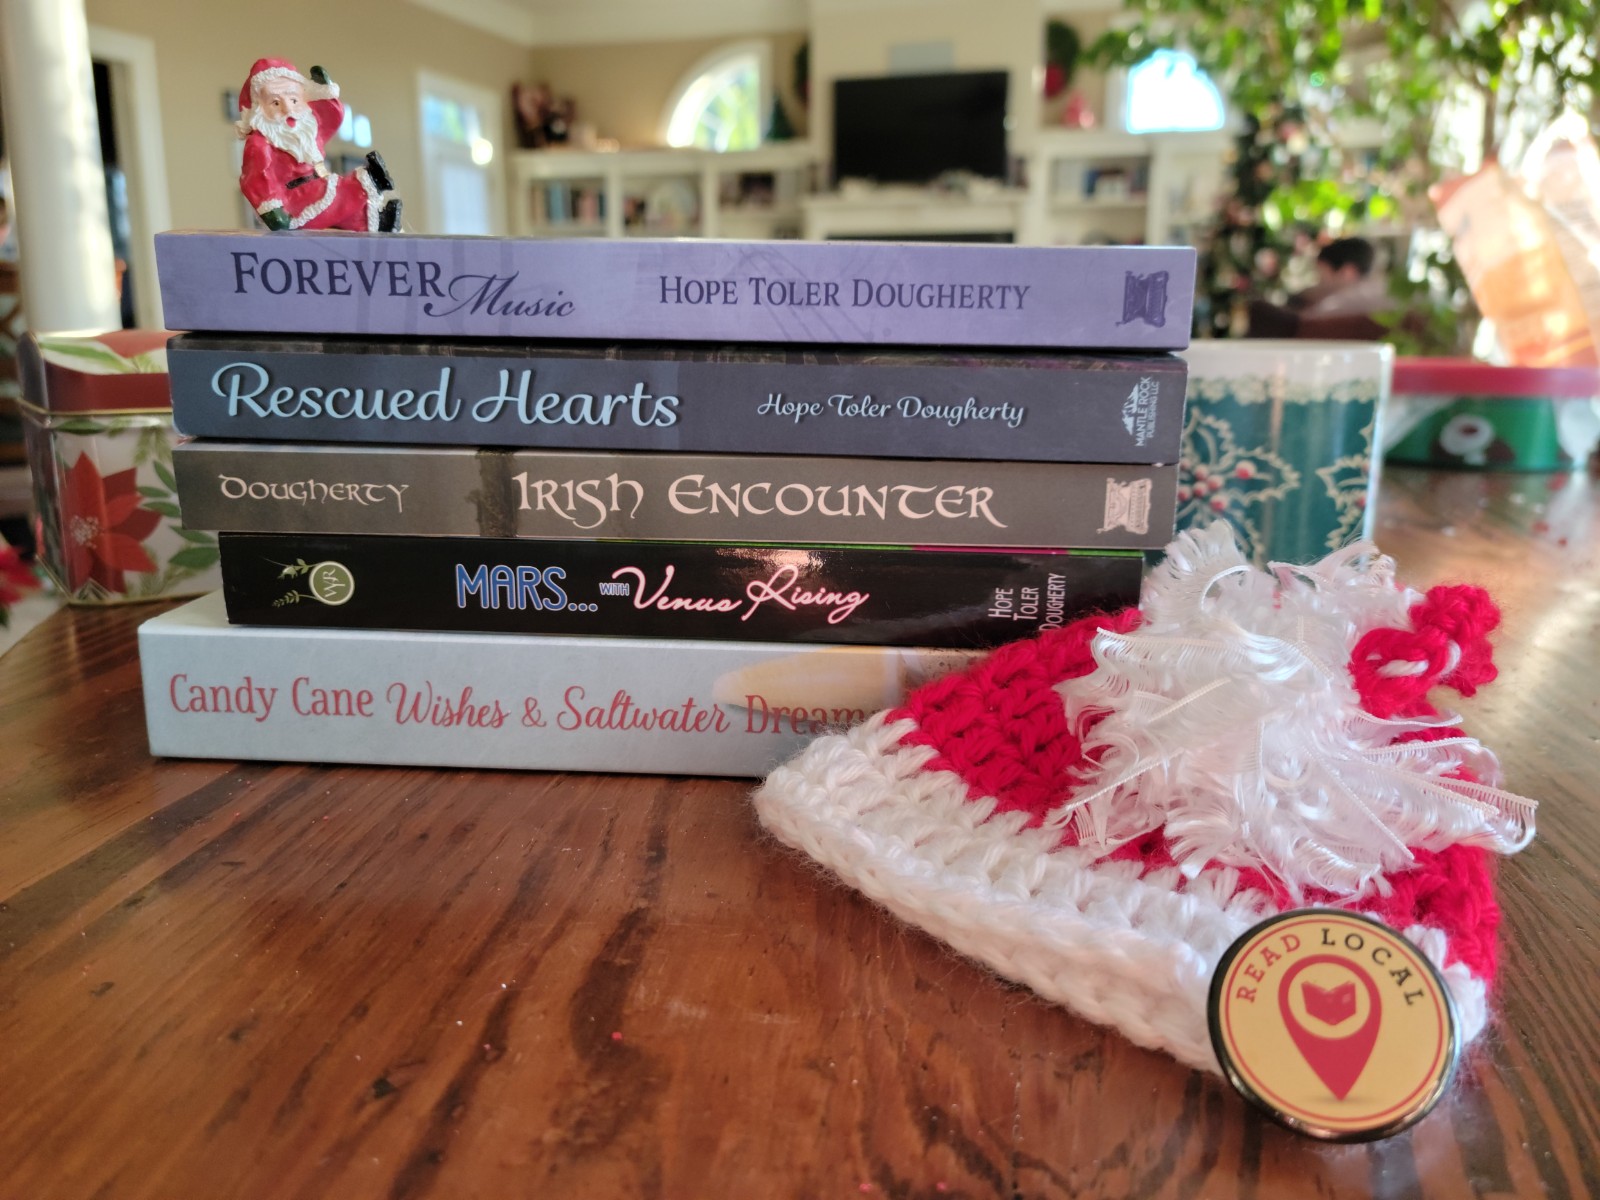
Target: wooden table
[223,980]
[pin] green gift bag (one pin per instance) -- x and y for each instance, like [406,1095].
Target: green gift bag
[1279,441]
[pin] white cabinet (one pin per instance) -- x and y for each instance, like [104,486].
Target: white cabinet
[660,193]
[1090,187]
[913,213]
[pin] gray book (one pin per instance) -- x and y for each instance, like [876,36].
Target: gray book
[454,492]
[898,403]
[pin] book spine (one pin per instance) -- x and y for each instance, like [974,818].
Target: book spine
[453,492]
[850,596]
[506,701]
[880,293]
[1071,409]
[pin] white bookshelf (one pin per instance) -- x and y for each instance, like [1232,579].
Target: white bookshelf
[660,193]
[1088,186]
[1082,186]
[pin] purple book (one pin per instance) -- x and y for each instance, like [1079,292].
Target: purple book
[865,293]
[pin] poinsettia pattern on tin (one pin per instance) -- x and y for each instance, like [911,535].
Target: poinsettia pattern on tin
[105,525]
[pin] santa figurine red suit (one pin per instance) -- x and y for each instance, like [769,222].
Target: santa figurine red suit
[285,120]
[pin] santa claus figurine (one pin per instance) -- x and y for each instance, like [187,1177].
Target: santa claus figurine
[285,120]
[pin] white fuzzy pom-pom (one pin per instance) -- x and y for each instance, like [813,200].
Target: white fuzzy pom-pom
[1230,719]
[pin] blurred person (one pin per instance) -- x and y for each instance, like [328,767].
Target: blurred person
[1344,303]
[1346,284]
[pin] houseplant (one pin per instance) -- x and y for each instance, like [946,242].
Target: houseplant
[1303,75]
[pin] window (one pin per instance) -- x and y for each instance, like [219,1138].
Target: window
[448,119]
[1169,91]
[460,175]
[723,101]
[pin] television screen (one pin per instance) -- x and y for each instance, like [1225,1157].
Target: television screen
[913,128]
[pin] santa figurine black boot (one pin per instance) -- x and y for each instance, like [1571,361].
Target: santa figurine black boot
[378,172]
[389,218]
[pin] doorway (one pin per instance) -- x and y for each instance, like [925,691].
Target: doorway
[129,105]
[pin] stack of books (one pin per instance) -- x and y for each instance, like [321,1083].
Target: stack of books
[657,506]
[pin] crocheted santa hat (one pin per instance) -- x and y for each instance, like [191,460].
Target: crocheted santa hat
[1100,811]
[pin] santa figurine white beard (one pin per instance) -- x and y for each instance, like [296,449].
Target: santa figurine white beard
[295,136]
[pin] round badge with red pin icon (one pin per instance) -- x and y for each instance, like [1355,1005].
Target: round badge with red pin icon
[1334,1025]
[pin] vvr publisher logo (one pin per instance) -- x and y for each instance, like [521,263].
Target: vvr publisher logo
[329,582]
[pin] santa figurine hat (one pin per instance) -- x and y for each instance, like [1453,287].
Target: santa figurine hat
[264,69]
[1100,811]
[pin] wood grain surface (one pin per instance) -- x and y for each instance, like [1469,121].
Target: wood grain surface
[292,981]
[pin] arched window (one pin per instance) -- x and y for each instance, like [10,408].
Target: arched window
[723,100]
[1169,91]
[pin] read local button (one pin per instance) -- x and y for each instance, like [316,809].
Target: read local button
[1333,1024]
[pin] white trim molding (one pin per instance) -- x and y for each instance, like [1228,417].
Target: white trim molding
[135,88]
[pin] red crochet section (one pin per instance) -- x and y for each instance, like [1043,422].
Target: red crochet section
[1451,890]
[1453,620]
[1001,727]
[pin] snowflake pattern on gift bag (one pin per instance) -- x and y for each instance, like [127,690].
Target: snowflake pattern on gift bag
[1303,448]
[1217,477]
[1346,482]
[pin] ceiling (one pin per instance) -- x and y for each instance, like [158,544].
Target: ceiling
[573,22]
[576,22]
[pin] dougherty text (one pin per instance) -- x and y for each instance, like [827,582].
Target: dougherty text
[314,491]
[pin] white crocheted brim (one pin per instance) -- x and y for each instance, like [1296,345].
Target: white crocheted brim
[1115,941]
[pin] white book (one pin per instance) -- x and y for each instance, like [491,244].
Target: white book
[214,690]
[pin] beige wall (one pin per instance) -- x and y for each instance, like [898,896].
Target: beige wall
[372,48]
[622,89]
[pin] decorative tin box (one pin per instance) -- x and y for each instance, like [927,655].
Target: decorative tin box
[1458,413]
[98,425]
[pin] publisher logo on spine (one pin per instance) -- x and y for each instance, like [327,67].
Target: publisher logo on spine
[1144,298]
[1334,1024]
[1139,410]
[1127,506]
[329,582]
